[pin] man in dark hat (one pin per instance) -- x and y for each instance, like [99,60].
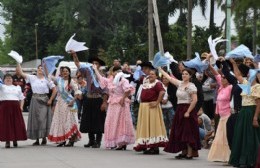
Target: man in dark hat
[94,104]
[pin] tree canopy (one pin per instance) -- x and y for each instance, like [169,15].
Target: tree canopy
[110,28]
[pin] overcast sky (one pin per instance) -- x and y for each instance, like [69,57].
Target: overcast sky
[198,19]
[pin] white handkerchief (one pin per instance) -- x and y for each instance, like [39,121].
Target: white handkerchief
[75,45]
[213,44]
[168,55]
[18,58]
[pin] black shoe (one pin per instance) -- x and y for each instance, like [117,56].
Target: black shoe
[152,151]
[15,143]
[96,145]
[70,144]
[121,148]
[44,141]
[90,144]
[7,144]
[181,156]
[36,143]
[61,144]
[189,157]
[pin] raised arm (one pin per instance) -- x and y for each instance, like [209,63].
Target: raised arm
[75,59]
[236,71]
[20,71]
[171,80]
[99,76]
[226,71]
[211,68]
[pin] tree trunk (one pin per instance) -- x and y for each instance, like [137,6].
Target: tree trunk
[189,32]
[212,9]
[254,31]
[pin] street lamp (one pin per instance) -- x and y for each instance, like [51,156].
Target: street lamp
[36,41]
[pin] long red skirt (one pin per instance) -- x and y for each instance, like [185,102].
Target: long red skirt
[12,127]
[184,131]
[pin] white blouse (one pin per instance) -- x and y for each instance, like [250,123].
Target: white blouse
[11,92]
[184,93]
[39,86]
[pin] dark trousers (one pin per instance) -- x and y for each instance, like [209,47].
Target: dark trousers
[95,137]
[231,122]
[209,108]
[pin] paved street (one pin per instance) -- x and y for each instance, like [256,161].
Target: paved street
[28,156]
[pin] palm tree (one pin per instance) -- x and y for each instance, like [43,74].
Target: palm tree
[212,10]
[189,31]
[189,6]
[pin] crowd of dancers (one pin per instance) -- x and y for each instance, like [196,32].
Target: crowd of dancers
[178,107]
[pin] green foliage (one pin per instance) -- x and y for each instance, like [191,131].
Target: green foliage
[245,11]
[201,34]
[176,40]
[110,28]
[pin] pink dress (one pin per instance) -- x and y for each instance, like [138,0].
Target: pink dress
[65,119]
[219,150]
[119,128]
[223,99]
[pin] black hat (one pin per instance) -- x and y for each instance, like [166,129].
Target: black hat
[243,69]
[147,64]
[101,62]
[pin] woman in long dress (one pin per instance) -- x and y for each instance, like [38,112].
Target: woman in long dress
[64,124]
[119,130]
[219,150]
[246,134]
[150,132]
[40,114]
[184,134]
[12,127]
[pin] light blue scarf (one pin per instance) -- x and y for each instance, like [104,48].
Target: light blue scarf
[90,69]
[65,95]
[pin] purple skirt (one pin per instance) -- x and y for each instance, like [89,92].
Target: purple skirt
[184,131]
[12,127]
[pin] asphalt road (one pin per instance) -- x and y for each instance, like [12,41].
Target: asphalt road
[50,156]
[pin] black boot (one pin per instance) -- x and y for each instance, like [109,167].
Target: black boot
[91,140]
[96,145]
[98,141]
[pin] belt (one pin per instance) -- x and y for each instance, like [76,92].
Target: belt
[94,96]
[39,95]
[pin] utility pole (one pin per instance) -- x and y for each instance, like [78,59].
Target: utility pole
[36,42]
[189,31]
[157,26]
[150,30]
[228,26]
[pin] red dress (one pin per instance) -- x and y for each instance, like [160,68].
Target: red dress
[184,130]
[12,127]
